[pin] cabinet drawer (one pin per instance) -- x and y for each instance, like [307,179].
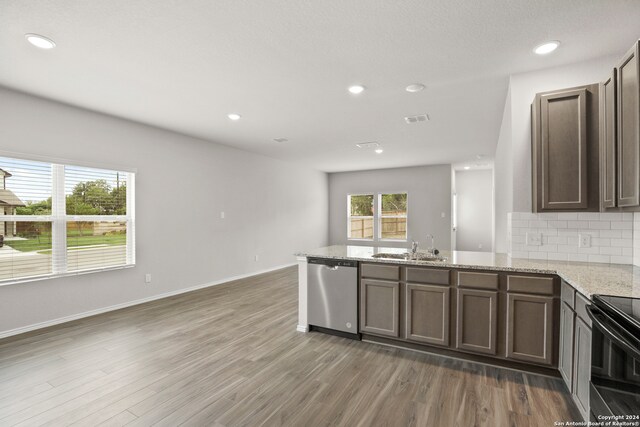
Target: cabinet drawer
[530,284]
[567,294]
[377,271]
[581,308]
[468,279]
[428,275]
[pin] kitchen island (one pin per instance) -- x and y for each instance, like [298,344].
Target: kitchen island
[524,314]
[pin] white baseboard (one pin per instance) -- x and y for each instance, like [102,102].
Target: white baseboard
[59,320]
[301,328]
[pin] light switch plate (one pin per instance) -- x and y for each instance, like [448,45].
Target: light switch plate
[534,239]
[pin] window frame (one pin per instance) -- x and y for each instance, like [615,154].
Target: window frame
[59,218]
[377,217]
[380,216]
[349,217]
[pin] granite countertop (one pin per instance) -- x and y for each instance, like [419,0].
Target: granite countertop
[587,278]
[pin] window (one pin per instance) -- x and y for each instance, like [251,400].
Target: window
[388,216]
[360,223]
[61,219]
[393,216]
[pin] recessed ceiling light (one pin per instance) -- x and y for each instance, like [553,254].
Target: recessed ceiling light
[416,87]
[379,150]
[547,47]
[416,119]
[40,41]
[234,116]
[356,89]
[370,144]
[467,168]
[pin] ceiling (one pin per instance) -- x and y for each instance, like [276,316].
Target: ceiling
[285,65]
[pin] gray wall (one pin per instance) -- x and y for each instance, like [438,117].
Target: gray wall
[503,172]
[272,208]
[429,189]
[475,210]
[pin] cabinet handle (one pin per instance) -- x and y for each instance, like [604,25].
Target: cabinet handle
[598,317]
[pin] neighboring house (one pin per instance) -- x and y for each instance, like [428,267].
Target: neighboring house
[8,204]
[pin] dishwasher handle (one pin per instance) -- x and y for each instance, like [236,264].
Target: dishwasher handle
[332,262]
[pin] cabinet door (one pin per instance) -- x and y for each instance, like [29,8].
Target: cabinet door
[601,356]
[565,361]
[530,328]
[380,307]
[563,150]
[477,326]
[632,369]
[582,366]
[427,314]
[608,142]
[629,129]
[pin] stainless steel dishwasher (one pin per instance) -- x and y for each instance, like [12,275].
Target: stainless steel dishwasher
[332,287]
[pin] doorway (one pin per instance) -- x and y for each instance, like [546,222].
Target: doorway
[473,206]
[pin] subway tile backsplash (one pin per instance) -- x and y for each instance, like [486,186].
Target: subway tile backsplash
[588,237]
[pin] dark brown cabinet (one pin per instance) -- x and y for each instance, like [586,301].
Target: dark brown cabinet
[530,328]
[628,128]
[565,359]
[380,307]
[608,143]
[511,317]
[477,321]
[575,354]
[565,150]
[582,366]
[427,313]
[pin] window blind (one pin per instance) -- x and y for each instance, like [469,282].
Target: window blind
[58,219]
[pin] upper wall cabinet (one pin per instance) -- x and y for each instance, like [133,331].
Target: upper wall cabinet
[628,128]
[608,146]
[565,150]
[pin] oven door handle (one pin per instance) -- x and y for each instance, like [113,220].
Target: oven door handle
[597,316]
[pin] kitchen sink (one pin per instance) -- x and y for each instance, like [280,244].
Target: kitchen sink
[407,256]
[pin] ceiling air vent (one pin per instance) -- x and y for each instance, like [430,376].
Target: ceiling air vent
[416,119]
[369,145]
[280,139]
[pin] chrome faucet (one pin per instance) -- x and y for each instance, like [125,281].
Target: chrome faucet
[432,247]
[414,248]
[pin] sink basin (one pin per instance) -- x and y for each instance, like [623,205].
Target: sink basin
[408,256]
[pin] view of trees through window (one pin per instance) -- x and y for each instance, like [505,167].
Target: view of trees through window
[27,189]
[390,211]
[361,216]
[393,216]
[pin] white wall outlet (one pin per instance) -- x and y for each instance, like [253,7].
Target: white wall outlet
[222,215]
[147,278]
[584,240]
[442,215]
[480,246]
[534,239]
[255,258]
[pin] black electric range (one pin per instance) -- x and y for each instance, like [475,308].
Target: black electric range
[615,358]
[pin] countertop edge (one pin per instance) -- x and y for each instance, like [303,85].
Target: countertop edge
[444,264]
